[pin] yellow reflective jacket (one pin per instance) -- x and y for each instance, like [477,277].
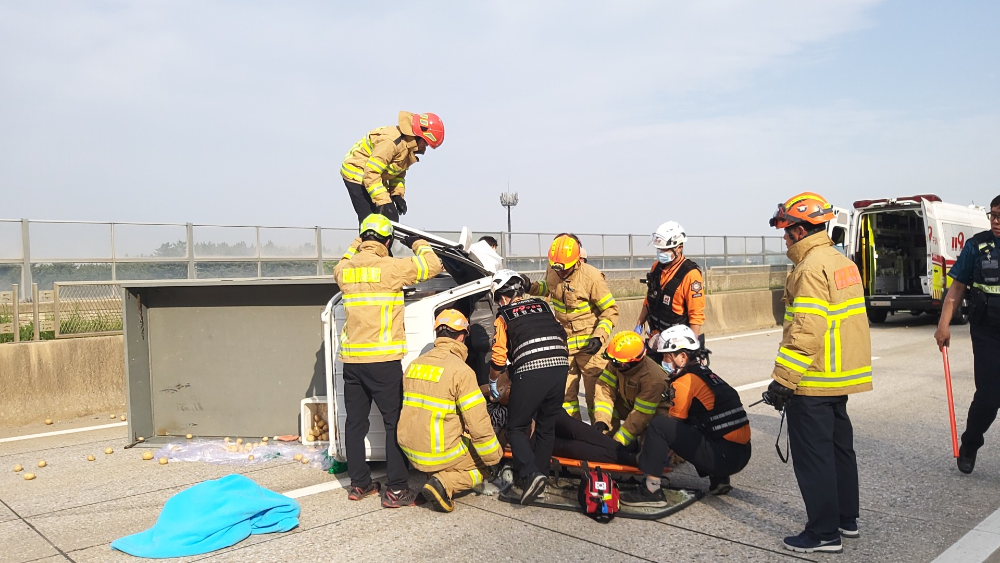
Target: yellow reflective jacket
[632,396]
[380,159]
[825,346]
[444,412]
[582,303]
[372,286]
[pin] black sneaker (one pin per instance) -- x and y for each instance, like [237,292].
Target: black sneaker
[849,529]
[804,543]
[966,460]
[435,493]
[534,486]
[358,493]
[400,498]
[640,496]
[719,486]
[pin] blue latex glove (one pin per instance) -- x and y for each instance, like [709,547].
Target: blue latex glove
[638,329]
[494,392]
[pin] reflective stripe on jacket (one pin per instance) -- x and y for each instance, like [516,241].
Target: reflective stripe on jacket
[380,159]
[826,345]
[633,397]
[444,411]
[582,302]
[372,286]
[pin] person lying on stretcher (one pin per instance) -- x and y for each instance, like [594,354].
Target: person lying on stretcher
[575,439]
[705,424]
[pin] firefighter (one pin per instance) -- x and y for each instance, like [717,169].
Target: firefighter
[374,170]
[976,269]
[584,307]
[373,346]
[824,356]
[675,288]
[534,344]
[441,405]
[630,389]
[706,423]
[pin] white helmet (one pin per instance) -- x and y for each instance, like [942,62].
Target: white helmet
[507,279]
[669,235]
[677,338]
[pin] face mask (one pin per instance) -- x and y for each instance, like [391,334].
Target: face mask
[668,367]
[664,256]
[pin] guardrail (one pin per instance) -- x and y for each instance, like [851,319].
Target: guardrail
[69,310]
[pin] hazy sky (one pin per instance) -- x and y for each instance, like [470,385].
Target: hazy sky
[604,116]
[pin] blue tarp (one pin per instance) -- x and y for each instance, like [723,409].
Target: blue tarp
[210,516]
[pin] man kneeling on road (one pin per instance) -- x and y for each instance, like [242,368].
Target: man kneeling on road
[706,425]
[441,405]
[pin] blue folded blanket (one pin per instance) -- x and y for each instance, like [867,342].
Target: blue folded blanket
[210,516]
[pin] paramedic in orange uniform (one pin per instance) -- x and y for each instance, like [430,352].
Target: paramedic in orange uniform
[675,288]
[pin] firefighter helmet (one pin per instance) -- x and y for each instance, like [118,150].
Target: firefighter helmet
[564,253]
[806,207]
[669,235]
[452,319]
[378,225]
[677,338]
[429,127]
[505,281]
[625,347]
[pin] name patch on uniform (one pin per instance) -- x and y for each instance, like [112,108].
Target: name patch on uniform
[526,309]
[425,372]
[846,277]
[361,275]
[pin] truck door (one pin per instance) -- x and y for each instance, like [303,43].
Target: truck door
[838,229]
[935,255]
[866,253]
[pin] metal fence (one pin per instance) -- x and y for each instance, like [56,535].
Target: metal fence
[69,310]
[47,252]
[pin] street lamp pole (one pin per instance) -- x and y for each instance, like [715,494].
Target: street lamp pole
[508,200]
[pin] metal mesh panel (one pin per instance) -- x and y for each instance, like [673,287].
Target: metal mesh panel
[87,309]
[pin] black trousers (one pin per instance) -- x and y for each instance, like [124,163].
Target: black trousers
[363,204]
[986,401]
[538,395]
[576,439]
[822,444]
[383,383]
[709,456]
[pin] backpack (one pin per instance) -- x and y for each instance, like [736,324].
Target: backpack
[598,494]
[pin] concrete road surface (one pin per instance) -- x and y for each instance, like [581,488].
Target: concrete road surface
[915,503]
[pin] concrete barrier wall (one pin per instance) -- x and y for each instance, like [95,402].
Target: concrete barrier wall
[61,379]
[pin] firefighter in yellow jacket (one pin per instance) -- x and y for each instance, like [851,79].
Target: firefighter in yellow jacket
[825,355]
[584,306]
[630,388]
[444,428]
[372,347]
[374,170]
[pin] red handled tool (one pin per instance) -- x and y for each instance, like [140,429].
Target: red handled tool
[951,402]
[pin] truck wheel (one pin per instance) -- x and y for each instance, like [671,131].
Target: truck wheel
[877,316]
[961,313]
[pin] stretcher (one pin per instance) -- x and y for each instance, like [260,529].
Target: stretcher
[561,490]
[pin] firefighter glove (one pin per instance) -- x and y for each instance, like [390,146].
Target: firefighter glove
[602,427]
[400,204]
[593,346]
[388,210]
[777,395]
[410,240]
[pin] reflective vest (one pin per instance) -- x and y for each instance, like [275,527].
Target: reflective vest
[535,340]
[659,300]
[984,295]
[380,159]
[726,415]
[632,397]
[582,302]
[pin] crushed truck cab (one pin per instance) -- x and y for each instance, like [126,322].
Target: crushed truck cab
[464,286]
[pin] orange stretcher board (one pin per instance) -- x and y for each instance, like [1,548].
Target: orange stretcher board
[609,467]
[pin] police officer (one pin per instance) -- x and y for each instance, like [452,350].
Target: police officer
[978,268]
[825,355]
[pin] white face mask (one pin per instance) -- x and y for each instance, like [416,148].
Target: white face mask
[664,256]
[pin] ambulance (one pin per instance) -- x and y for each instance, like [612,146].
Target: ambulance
[904,248]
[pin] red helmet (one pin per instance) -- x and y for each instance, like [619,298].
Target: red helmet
[428,126]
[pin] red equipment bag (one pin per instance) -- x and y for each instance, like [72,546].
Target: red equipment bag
[598,494]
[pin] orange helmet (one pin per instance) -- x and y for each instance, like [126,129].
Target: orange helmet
[452,319]
[428,126]
[625,348]
[806,207]
[564,253]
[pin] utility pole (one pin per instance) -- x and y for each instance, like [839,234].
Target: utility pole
[508,199]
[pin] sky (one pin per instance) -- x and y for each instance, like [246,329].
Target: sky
[605,117]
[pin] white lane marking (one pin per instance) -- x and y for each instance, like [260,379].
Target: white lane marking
[876,358]
[750,386]
[340,483]
[742,335]
[61,432]
[977,545]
